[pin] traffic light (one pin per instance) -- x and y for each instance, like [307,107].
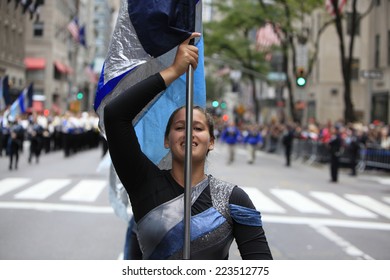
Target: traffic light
[79,96]
[223,105]
[215,103]
[301,79]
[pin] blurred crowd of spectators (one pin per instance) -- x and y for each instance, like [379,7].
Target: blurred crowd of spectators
[373,135]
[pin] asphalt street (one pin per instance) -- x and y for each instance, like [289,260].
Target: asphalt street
[59,208]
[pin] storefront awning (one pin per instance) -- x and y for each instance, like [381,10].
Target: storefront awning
[62,68]
[34,63]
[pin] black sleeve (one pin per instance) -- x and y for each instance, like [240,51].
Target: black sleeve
[130,163]
[251,240]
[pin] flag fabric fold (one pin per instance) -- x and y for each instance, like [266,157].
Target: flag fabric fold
[133,57]
[172,19]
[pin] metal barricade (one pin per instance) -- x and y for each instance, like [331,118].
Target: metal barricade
[310,151]
[375,157]
[323,155]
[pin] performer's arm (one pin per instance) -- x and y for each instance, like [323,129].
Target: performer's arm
[125,151]
[129,161]
[250,238]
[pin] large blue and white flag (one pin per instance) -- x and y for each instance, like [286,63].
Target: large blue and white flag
[22,103]
[144,42]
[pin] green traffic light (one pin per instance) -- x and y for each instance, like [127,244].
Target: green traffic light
[80,96]
[301,81]
[223,105]
[215,103]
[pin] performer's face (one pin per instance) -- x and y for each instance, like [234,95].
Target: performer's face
[202,141]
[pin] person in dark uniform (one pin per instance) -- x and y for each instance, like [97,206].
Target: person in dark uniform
[335,145]
[353,151]
[287,141]
[13,149]
[35,135]
[220,212]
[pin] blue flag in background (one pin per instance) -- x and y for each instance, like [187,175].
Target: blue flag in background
[22,103]
[144,42]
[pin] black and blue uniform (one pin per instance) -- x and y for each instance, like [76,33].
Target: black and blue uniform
[220,211]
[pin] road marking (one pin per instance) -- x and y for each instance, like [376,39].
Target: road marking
[120,256]
[10,184]
[324,222]
[262,202]
[371,204]
[384,181]
[85,191]
[43,189]
[341,242]
[342,205]
[315,221]
[299,202]
[56,207]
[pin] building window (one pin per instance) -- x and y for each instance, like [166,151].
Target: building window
[377,51]
[380,107]
[388,48]
[350,23]
[38,29]
[355,69]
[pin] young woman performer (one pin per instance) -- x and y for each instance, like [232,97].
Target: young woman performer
[220,210]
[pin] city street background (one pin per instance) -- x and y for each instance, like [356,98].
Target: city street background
[59,208]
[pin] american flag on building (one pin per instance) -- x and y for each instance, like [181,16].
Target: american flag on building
[329,4]
[73,28]
[266,38]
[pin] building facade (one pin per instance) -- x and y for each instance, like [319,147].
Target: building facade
[12,45]
[378,63]
[324,93]
[60,50]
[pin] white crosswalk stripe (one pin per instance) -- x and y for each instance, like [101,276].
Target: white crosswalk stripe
[262,202]
[43,189]
[299,202]
[370,203]
[85,191]
[342,205]
[10,184]
[273,201]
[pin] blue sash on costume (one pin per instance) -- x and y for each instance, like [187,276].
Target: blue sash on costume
[161,231]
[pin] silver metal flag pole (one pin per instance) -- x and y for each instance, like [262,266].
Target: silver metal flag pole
[188,163]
